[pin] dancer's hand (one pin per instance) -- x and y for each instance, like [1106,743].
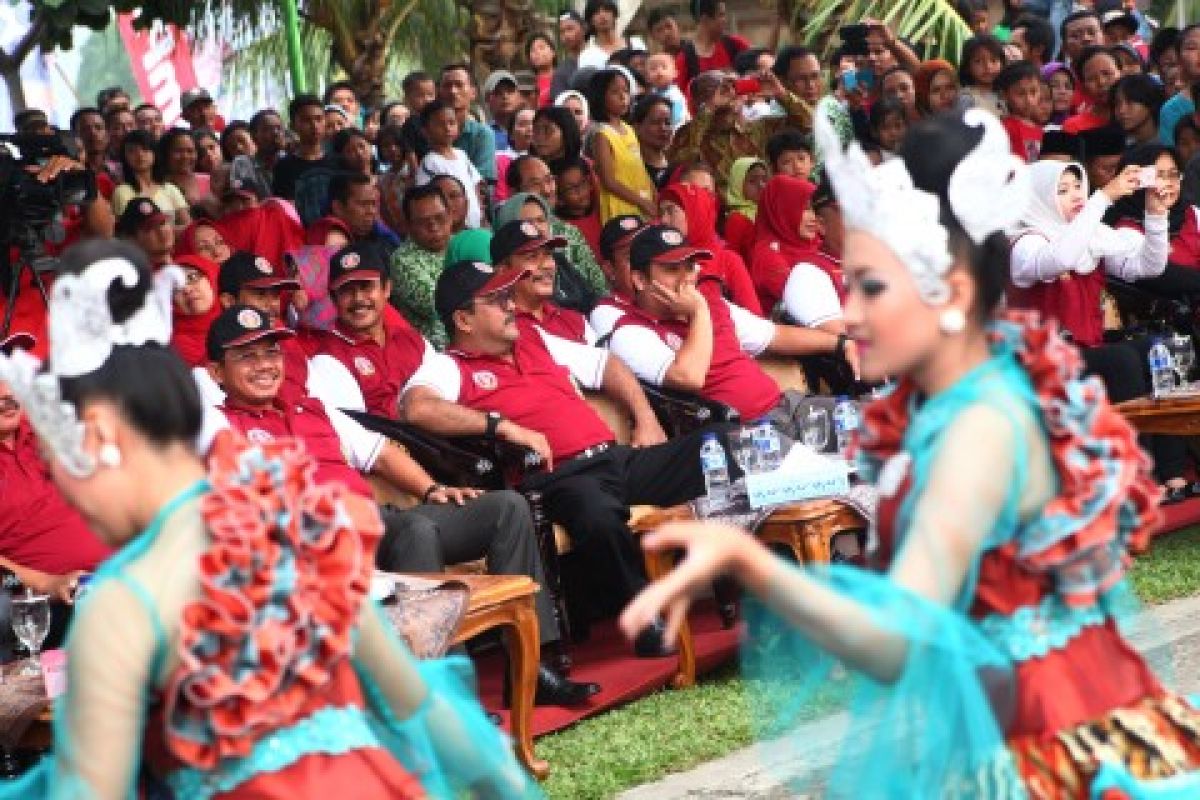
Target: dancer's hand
[710,549]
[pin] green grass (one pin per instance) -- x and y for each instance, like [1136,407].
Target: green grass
[671,731]
[1170,570]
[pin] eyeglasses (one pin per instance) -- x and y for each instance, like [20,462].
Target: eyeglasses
[270,353]
[502,298]
[1170,175]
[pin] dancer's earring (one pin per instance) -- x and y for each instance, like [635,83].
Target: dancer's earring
[952,321]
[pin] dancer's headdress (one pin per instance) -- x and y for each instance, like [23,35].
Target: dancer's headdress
[82,337]
[988,191]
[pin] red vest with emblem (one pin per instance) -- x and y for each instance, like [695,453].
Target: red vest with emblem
[1073,300]
[381,372]
[304,419]
[534,391]
[564,323]
[733,378]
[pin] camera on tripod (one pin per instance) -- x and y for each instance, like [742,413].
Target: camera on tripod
[33,211]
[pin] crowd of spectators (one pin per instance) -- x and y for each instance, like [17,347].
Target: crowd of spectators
[629,211]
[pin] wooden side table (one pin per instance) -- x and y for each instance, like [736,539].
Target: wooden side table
[807,527]
[1173,416]
[507,601]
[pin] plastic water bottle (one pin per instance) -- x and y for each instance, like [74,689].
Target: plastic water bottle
[716,472]
[1162,370]
[845,422]
[768,446]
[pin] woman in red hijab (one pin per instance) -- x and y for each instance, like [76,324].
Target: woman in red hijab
[693,211]
[789,264]
[194,308]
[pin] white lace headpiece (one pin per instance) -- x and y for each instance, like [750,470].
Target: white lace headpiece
[988,192]
[82,337]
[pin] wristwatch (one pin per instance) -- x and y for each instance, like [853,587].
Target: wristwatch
[493,424]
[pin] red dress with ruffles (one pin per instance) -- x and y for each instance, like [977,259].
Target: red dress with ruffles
[1094,695]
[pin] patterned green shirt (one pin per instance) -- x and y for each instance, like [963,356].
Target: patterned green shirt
[580,254]
[415,271]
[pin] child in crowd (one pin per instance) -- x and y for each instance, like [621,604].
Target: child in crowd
[1045,104]
[1062,91]
[981,61]
[1020,88]
[1187,138]
[661,72]
[790,152]
[575,200]
[625,185]
[439,123]
[889,123]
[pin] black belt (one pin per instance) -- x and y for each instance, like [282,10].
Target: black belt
[592,452]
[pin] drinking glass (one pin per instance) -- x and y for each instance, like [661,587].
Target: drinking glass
[814,429]
[741,442]
[1183,354]
[31,623]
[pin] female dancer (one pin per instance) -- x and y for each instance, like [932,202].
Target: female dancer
[1010,493]
[228,649]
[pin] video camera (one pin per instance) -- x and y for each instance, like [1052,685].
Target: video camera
[31,210]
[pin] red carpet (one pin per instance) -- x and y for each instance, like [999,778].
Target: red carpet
[608,659]
[1180,515]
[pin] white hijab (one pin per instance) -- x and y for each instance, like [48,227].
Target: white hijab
[1043,217]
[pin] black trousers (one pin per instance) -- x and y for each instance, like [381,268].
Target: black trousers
[1124,369]
[496,526]
[591,498]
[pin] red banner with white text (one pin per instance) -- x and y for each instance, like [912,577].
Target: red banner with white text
[161,58]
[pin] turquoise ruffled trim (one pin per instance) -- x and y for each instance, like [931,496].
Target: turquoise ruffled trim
[1033,631]
[330,731]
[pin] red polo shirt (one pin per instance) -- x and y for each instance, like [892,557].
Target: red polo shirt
[564,323]
[733,377]
[37,528]
[533,390]
[381,372]
[305,419]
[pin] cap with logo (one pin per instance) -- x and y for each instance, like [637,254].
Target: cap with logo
[246,270]
[618,231]
[239,325]
[496,78]
[463,281]
[193,96]
[663,244]
[17,341]
[519,236]
[141,213]
[356,262]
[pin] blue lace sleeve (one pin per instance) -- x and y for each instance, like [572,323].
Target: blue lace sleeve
[937,725]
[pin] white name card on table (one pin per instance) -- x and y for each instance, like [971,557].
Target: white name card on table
[803,475]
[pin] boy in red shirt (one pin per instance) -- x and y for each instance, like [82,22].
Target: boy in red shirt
[1020,86]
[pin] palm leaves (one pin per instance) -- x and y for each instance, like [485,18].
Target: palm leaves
[935,24]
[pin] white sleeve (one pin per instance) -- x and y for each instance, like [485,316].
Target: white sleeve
[438,372]
[1036,258]
[211,394]
[603,318]
[332,383]
[589,333]
[644,352]
[1148,252]
[212,422]
[754,333]
[809,296]
[360,446]
[585,363]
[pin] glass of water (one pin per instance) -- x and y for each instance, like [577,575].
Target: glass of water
[814,429]
[745,455]
[31,623]
[1183,354]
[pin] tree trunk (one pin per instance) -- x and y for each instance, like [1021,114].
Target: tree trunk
[12,81]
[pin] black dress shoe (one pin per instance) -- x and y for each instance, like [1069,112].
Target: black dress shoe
[650,644]
[555,690]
